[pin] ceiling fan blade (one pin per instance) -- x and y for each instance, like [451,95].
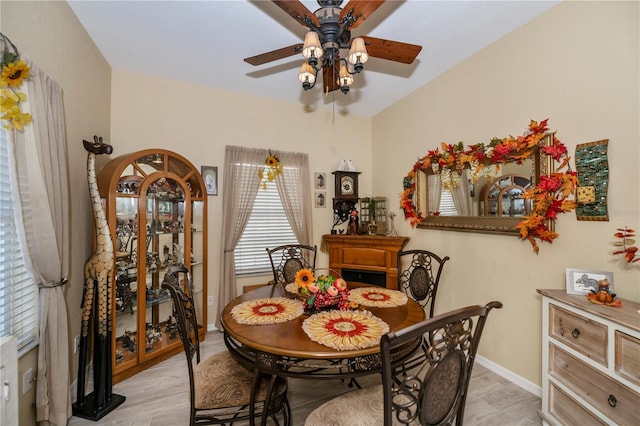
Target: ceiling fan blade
[391,50]
[330,78]
[364,8]
[275,55]
[297,11]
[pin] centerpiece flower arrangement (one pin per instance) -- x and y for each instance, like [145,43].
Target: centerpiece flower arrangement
[322,291]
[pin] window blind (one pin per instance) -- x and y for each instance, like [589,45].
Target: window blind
[447,206]
[18,292]
[267,227]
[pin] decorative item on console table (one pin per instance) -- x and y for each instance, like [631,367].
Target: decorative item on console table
[590,361]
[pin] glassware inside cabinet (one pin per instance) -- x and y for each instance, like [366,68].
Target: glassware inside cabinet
[165,248]
[126,275]
[197,256]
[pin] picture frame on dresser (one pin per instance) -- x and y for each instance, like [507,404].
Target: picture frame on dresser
[582,281]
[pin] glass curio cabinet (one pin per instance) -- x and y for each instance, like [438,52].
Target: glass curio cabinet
[156,207]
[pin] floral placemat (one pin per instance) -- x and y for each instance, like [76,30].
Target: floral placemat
[345,330]
[377,297]
[272,310]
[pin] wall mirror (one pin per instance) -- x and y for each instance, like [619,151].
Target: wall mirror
[482,197]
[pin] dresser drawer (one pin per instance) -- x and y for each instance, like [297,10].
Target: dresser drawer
[613,399]
[580,333]
[568,411]
[628,357]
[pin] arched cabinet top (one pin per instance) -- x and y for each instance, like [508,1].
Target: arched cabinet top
[124,174]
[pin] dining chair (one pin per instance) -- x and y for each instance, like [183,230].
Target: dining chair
[288,259]
[433,393]
[419,274]
[220,387]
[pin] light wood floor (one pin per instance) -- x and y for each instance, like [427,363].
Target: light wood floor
[158,396]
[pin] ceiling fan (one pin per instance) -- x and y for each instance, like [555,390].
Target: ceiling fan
[330,31]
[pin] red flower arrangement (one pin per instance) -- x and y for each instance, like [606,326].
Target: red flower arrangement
[549,196]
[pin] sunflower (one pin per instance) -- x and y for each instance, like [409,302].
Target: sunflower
[304,277]
[14,73]
[272,161]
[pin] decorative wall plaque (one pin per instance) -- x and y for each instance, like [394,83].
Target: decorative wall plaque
[593,173]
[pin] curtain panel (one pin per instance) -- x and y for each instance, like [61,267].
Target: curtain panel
[41,152]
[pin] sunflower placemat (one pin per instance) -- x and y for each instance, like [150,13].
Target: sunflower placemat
[272,310]
[377,297]
[345,330]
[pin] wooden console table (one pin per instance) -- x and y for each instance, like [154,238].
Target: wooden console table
[365,253]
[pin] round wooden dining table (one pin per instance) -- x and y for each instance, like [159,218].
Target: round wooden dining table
[284,349]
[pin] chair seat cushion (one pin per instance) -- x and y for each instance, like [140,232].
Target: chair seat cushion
[220,381]
[363,407]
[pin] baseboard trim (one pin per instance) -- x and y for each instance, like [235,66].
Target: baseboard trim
[511,376]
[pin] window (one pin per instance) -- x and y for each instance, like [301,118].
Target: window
[267,227]
[447,206]
[18,292]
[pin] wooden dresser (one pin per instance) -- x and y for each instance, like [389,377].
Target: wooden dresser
[590,361]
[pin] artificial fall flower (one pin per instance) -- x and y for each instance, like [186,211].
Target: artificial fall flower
[14,73]
[15,119]
[272,161]
[304,277]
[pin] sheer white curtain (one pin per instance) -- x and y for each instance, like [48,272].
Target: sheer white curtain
[239,190]
[294,189]
[461,193]
[41,152]
[434,183]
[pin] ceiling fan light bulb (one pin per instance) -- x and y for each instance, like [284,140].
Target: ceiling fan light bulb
[345,79]
[307,75]
[312,46]
[358,52]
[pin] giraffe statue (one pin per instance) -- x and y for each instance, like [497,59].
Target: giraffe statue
[96,302]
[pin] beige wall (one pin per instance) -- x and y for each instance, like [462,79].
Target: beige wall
[576,65]
[49,34]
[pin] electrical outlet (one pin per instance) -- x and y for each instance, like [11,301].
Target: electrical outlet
[76,344]
[209,300]
[27,379]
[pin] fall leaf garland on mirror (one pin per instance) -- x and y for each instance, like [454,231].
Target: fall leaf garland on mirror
[14,72]
[549,196]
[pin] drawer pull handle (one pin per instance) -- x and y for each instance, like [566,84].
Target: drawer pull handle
[612,401]
[575,333]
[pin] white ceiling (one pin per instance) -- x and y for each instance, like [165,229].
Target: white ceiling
[205,42]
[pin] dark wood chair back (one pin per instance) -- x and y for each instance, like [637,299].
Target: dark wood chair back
[419,276]
[185,321]
[435,392]
[287,260]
